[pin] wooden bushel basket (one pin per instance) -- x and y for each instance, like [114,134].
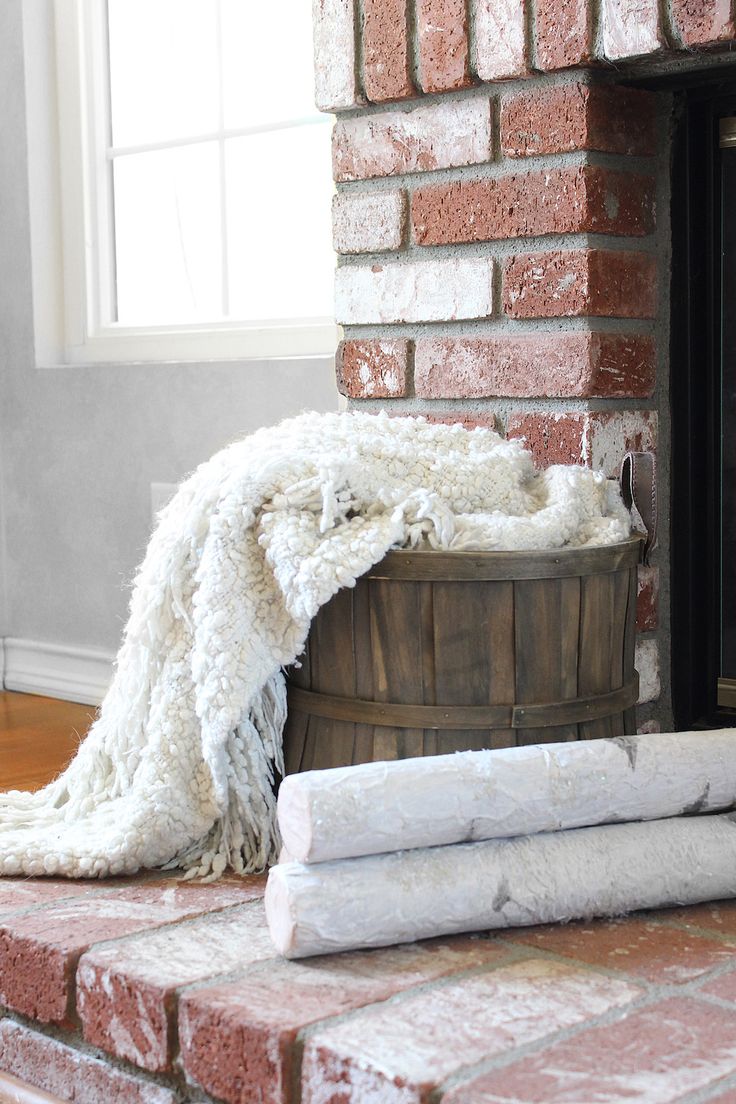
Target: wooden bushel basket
[435,652]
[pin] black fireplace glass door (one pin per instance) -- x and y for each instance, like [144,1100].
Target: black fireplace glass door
[727,679]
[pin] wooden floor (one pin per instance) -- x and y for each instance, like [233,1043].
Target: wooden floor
[38,737]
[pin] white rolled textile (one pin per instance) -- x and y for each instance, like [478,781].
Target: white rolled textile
[361,810]
[607,870]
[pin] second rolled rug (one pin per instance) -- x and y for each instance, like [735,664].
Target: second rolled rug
[606,870]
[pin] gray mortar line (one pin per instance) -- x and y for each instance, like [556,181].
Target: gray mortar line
[359,71]
[499,326]
[500,168]
[500,405]
[672,36]
[582,241]
[412,44]
[530,30]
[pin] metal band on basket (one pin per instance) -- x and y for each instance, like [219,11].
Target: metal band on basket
[458,717]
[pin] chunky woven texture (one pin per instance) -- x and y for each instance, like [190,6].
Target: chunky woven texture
[179,767]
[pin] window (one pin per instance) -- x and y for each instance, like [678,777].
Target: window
[195,181]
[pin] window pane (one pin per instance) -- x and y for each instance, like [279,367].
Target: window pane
[279,191]
[167,235]
[267,59]
[163,69]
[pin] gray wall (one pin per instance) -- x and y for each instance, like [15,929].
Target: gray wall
[79,447]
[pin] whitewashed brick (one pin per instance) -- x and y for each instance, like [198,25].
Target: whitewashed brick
[423,291]
[630,28]
[500,38]
[368,222]
[68,1074]
[647,664]
[430,136]
[335,83]
[608,435]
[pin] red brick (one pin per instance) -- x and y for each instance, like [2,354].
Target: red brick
[597,439]
[564,33]
[500,38]
[701,22]
[647,599]
[18,895]
[39,950]
[68,1074]
[430,136]
[557,201]
[658,1054]
[237,1040]
[717,916]
[126,991]
[442,30]
[594,282]
[467,418]
[563,118]
[540,365]
[639,947]
[386,50]
[372,369]
[630,28]
[398,1053]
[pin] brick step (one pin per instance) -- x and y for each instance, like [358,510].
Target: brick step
[149,991]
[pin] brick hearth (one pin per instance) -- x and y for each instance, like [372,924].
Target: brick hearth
[149,991]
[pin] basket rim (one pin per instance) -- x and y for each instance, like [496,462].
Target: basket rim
[435,564]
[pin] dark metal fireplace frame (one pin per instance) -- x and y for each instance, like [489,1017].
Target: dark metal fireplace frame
[696,399]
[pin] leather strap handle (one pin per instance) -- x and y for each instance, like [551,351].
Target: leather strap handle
[639,489]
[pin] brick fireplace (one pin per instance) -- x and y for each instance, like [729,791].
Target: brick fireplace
[502,218]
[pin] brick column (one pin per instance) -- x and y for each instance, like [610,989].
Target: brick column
[501,257]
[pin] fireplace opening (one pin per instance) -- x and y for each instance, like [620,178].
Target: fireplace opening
[703,405]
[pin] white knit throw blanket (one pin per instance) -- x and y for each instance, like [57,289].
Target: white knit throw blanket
[179,767]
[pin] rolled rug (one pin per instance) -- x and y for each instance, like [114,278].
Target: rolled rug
[399,897]
[474,795]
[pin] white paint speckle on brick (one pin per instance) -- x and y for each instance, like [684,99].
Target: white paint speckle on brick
[423,291]
[500,49]
[335,85]
[430,136]
[647,664]
[368,222]
[630,28]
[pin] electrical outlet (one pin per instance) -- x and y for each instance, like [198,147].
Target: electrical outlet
[160,495]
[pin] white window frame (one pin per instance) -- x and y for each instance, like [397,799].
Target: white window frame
[87,232]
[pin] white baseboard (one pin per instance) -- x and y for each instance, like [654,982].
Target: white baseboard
[55,670]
